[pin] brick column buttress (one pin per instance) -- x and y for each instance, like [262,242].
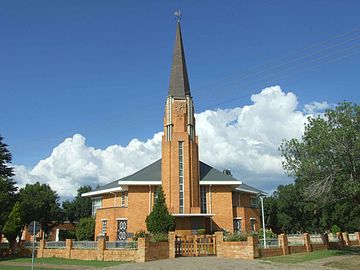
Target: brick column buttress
[357,234]
[219,240]
[68,247]
[100,249]
[252,243]
[283,241]
[307,242]
[171,239]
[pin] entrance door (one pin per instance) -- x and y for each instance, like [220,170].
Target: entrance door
[122,230]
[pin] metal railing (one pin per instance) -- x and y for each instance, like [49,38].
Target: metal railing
[296,240]
[352,237]
[121,245]
[270,243]
[30,245]
[84,245]
[55,244]
[316,239]
[4,245]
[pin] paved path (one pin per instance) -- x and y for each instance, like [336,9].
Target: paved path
[208,263]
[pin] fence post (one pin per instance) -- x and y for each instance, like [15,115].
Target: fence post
[219,239]
[357,234]
[171,239]
[341,239]
[40,253]
[68,247]
[252,243]
[140,254]
[325,239]
[100,249]
[283,241]
[307,242]
[346,239]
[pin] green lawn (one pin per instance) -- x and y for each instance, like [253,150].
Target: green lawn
[6,267]
[304,257]
[59,261]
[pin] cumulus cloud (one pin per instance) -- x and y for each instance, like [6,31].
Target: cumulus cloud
[243,139]
[316,107]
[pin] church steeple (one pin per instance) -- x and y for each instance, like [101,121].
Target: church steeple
[179,81]
[180,154]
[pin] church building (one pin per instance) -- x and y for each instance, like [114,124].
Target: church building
[197,195]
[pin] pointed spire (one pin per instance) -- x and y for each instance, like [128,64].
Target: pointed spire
[179,81]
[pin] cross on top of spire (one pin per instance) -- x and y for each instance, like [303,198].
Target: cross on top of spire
[178,15]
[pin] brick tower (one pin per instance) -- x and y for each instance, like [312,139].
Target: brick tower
[180,156]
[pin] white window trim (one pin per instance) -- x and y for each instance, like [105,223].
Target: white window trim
[121,218]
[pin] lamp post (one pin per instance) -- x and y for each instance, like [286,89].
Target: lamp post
[263,217]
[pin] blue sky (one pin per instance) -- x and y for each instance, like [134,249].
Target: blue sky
[101,68]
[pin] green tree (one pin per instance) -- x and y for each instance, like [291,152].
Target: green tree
[40,203]
[78,208]
[12,227]
[85,229]
[326,161]
[7,184]
[160,220]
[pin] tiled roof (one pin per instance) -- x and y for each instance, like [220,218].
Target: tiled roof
[152,173]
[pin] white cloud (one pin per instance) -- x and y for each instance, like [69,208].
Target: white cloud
[316,107]
[243,139]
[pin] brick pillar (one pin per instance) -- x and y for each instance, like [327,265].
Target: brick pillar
[341,239]
[40,251]
[346,238]
[195,246]
[140,255]
[101,246]
[307,242]
[68,248]
[357,234]
[283,241]
[171,239]
[219,239]
[252,243]
[325,239]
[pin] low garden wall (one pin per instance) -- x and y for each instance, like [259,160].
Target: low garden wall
[144,250]
[141,251]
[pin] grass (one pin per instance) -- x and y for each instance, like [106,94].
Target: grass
[8,267]
[60,261]
[320,254]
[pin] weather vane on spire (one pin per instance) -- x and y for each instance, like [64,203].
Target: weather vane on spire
[178,15]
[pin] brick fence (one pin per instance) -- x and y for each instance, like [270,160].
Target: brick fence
[148,251]
[145,251]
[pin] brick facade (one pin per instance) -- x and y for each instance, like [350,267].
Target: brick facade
[180,169]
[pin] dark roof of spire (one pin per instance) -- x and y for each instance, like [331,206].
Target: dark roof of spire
[179,81]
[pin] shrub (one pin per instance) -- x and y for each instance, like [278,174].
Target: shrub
[159,237]
[236,237]
[268,233]
[160,220]
[335,229]
[140,234]
[201,231]
[85,229]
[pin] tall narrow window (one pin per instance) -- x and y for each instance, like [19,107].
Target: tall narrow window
[181,177]
[252,224]
[203,190]
[103,226]
[156,194]
[237,225]
[96,203]
[124,199]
